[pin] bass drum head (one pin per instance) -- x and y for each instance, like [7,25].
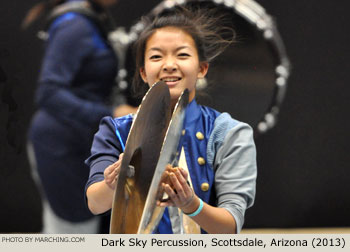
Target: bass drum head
[249,79]
[241,81]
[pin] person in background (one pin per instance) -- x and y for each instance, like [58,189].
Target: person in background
[215,181]
[76,79]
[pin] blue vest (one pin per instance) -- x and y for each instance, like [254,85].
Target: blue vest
[199,119]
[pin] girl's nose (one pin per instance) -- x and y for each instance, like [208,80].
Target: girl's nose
[169,65]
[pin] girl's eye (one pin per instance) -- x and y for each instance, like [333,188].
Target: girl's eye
[155,57]
[183,55]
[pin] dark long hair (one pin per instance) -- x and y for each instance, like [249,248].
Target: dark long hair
[46,7]
[38,10]
[205,26]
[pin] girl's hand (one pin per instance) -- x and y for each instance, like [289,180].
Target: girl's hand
[179,192]
[111,173]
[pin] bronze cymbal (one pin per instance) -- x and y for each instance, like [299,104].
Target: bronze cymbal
[153,213]
[140,159]
[150,147]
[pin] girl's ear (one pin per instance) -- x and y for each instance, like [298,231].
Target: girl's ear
[143,74]
[203,69]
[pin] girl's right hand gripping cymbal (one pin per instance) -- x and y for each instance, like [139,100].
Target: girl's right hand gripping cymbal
[111,173]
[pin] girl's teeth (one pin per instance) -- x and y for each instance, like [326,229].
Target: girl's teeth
[171,80]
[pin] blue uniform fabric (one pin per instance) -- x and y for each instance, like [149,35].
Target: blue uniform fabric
[75,82]
[229,170]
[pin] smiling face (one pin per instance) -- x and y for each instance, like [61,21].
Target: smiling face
[171,56]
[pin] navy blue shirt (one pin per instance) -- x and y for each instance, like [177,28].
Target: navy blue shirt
[76,79]
[77,73]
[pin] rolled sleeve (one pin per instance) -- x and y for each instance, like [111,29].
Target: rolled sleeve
[105,150]
[235,168]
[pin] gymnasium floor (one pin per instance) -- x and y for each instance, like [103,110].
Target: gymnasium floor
[342,230]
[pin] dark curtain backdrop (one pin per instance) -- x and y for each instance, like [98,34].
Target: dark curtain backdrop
[303,177]
[304,164]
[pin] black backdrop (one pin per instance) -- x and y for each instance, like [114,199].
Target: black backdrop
[304,166]
[303,177]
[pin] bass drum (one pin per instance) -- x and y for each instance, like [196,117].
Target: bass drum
[249,79]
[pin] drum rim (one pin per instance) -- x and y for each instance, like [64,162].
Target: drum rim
[256,15]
